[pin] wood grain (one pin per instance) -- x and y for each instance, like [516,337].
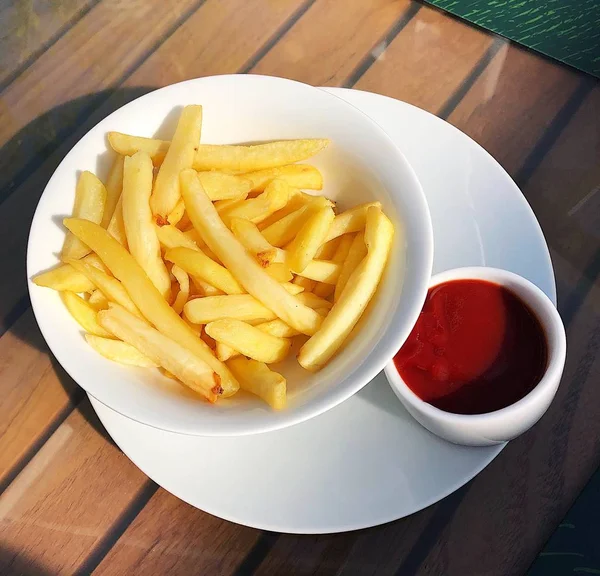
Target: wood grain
[523,89]
[220,38]
[29,26]
[427,62]
[171,537]
[330,40]
[78,65]
[34,392]
[63,503]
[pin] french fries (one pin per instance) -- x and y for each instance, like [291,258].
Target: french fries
[223,186]
[64,277]
[179,157]
[184,289]
[146,297]
[309,238]
[275,197]
[241,264]
[352,220]
[256,378]
[109,286]
[284,230]
[178,360]
[301,176]
[90,197]
[356,253]
[359,290]
[249,341]
[242,159]
[84,313]
[199,265]
[127,145]
[238,306]
[116,226]
[139,226]
[204,261]
[119,351]
[114,186]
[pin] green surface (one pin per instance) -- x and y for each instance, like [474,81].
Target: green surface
[567,30]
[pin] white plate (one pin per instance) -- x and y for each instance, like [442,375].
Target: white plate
[367,461]
[361,164]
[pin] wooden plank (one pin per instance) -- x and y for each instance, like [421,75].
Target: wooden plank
[61,87]
[427,61]
[218,39]
[565,189]
[171,537]
[67,499]
[330,40]
[526,91]
[34,392]
[29,26]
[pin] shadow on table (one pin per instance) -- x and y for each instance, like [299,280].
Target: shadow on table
[27,161]
[15,563]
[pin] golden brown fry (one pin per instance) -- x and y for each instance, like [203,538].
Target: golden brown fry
[309,238]
[249,341]
[300,176]
[224,352]
[177,213]
[98,300]
[256,157]
[90,197]
[357,252]
[280,272]
[352,220]
[324,290]
[179,157]
[295,202]
[241,264]
[258,379]
[108,285]
[118,351]
[322,271]
[146,297]
[199,265]
[359,290]
[128,145]
[171,237]
[116,226]
[252,239]
[305,283]
[275,197]
[139,224]
[114,186]
[64,277]
[237,306]
[223,186]
[284,230]
[184,288]
[84,313]
[178,360]
[277,328]
[313,301]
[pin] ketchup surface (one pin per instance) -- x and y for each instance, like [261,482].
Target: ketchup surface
[475,348]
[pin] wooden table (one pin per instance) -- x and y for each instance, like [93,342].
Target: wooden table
[70,501]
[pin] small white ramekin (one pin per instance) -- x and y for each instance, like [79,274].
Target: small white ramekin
[507,423]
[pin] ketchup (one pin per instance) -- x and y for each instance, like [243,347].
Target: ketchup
[475,348]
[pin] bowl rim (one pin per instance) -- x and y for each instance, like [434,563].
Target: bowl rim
[556,343]
[364,372]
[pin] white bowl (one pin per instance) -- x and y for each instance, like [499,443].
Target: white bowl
[360,165]
[508,423]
